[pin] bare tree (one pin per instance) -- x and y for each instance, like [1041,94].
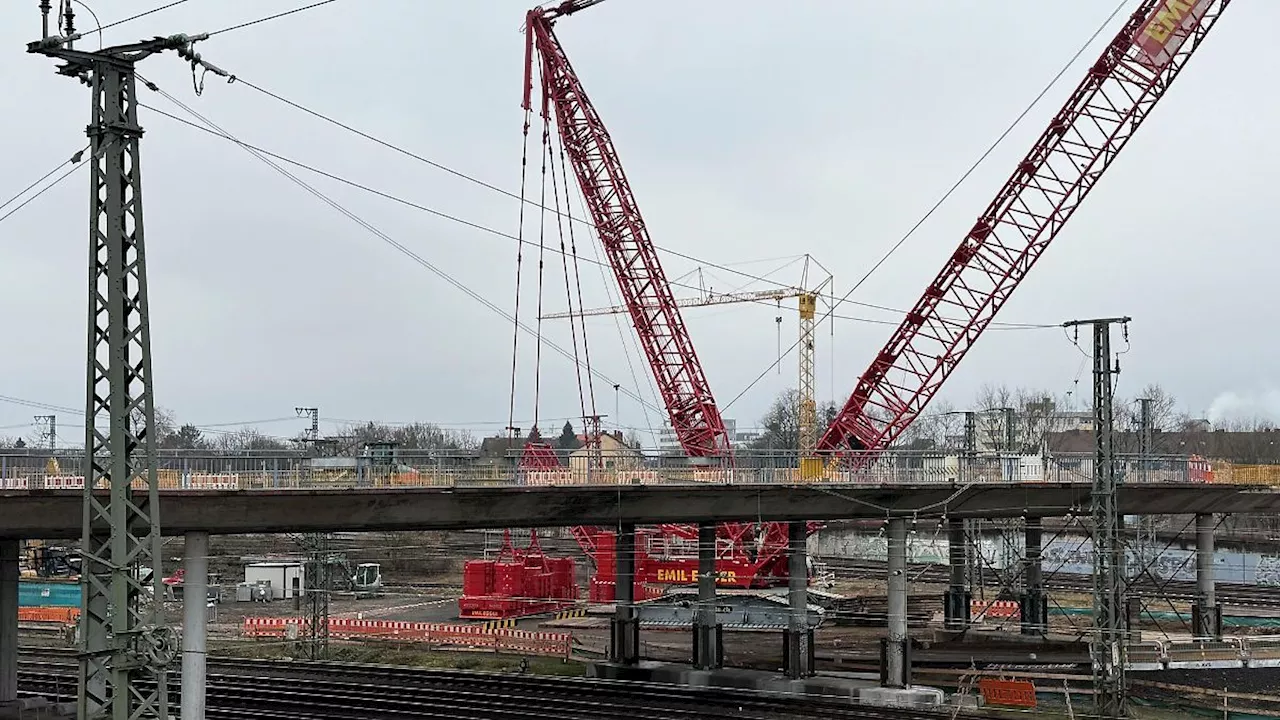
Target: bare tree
[780,426]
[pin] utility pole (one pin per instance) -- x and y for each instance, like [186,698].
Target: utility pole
[312,433]
[318,570]
[48,425]
[1107,644]
[319,579]
[125,647]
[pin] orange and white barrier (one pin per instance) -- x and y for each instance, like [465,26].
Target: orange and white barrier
[994,609]
[64,615]
[471,636]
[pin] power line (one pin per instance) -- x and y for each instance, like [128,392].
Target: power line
[270,17]
[508,236]
[388,239]
[945,196]
[77,160]
[470,178]
[132,17]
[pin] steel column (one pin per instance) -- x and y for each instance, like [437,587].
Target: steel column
[624,647]
[957,597]
[1035,608]
[1206,615]
[707,633]
[8,621]
[195,598]
[896,672]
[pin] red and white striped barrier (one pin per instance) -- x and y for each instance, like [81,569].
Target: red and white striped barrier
[64,482]
[213,482]
[472,636]
[995,610]
[14,484]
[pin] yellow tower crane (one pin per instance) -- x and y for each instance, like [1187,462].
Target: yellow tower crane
[807,409]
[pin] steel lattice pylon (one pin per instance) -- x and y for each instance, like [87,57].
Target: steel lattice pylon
[125,646]
[1048,185]
[122,529]
[1107,644]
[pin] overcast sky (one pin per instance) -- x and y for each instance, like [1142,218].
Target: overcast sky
[753,132]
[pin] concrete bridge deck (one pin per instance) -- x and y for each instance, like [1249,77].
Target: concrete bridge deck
[57,514]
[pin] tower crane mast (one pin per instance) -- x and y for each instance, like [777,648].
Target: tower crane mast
[1085,136]
[622,231]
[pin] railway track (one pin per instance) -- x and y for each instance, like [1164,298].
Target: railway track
[340,691]
[1236,594]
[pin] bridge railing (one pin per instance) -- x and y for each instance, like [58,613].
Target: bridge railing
[247,472]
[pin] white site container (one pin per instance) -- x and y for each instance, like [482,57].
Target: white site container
[281,576]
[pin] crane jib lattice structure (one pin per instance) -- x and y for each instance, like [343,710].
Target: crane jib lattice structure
[622,231]
[1066,162]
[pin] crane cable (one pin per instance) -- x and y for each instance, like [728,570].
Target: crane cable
[568,288]
[515,316]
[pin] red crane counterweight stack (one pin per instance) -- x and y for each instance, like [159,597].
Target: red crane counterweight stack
[517,583]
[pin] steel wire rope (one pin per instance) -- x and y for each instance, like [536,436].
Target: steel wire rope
[270,17]
[543,152]
[77,161]
[515,318]
[407,252]
[568,290]
[951,190]
[131,18]
[490,186]
[461,221]
[499,233]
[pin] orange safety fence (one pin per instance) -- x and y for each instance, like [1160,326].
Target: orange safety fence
[1008,693]
[65,615]
[470,636]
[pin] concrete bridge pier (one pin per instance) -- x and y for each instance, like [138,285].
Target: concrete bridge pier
[195,600]
[708,637]
[8,623]
[1034,601]
[957,599]
[895,653]
[1206,614]
[798,651]
[624,628]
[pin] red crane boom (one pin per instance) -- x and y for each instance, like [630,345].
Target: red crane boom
[1082,140]
[632,256]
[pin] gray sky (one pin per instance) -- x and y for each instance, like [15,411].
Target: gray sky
[750,130]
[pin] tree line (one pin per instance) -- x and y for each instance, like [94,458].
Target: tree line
[1034,414]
